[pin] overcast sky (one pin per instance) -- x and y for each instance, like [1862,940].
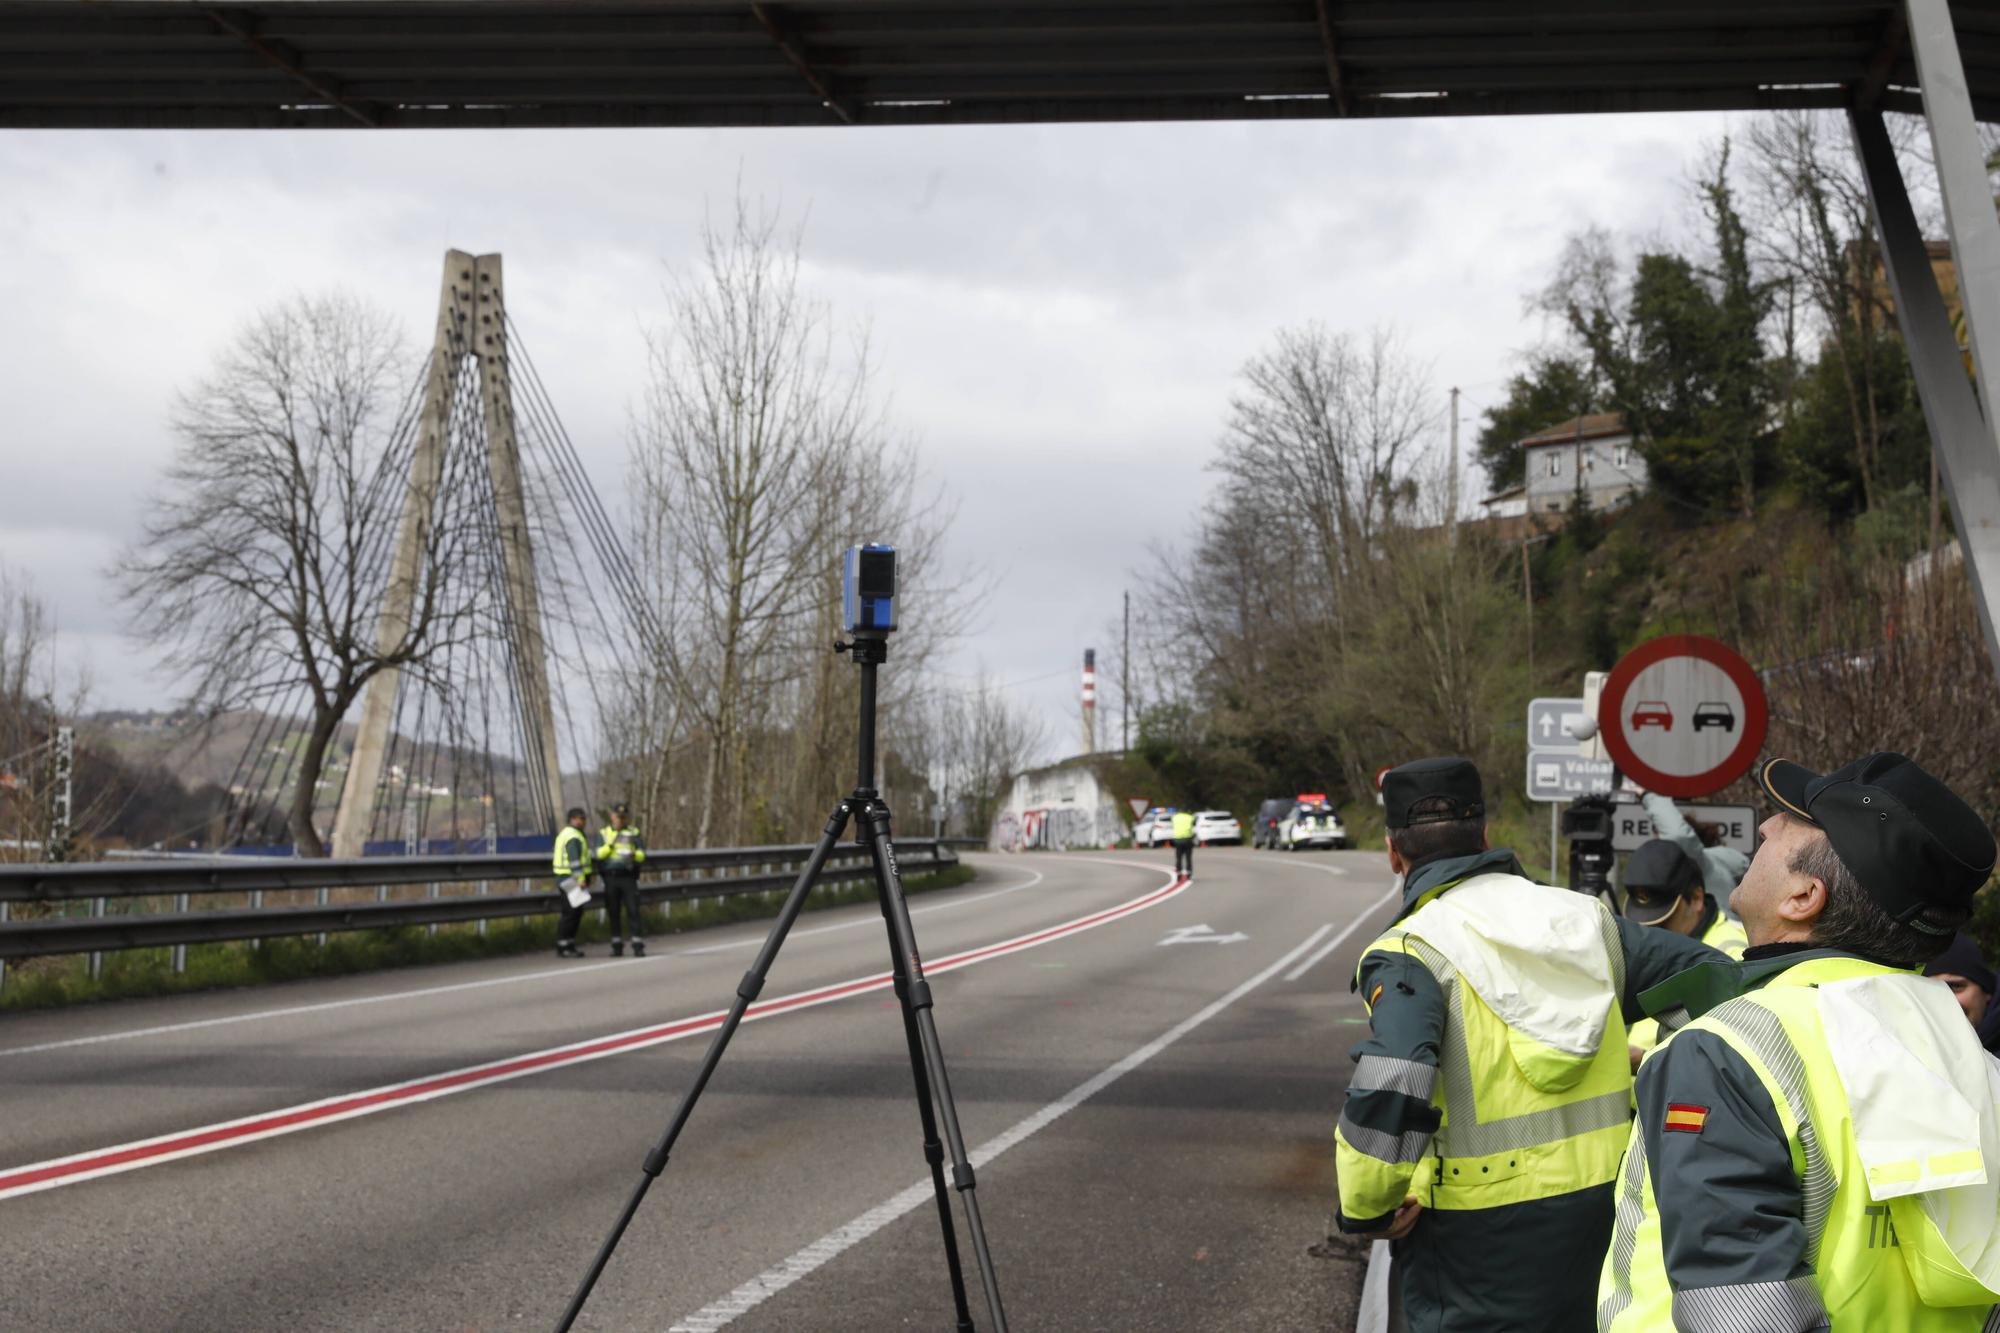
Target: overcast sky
[1057,312]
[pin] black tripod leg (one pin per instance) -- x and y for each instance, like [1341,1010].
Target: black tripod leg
[933,1149]
[746,991]
[875,823]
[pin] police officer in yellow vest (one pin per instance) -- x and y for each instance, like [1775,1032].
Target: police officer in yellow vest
[572,865]
[1488,1109]
[1183,829]
[621,851]
[1664,889]
[1818,1148]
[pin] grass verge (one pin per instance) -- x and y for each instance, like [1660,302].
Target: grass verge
[43,983]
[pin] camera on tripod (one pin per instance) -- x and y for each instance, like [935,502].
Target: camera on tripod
[1587,825]
[868,588]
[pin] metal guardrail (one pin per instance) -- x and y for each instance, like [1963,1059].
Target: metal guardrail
[183,880]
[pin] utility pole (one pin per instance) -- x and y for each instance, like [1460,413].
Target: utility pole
[1125,682]
[1451,482]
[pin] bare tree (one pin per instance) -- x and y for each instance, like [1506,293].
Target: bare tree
[1323,430]
[760,453]
[258,572]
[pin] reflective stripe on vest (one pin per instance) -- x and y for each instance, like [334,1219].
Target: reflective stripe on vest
[1463,1133]
[1867,1264]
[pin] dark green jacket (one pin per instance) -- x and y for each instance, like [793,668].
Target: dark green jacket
[1490,1271]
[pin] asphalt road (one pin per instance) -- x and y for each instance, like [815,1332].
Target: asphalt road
[1147,1077]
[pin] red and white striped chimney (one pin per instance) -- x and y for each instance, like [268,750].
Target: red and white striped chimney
[1090,701]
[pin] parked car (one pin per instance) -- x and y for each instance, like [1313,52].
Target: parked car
[1264,824]
[1155,828]
[1311,824]
[1216,826]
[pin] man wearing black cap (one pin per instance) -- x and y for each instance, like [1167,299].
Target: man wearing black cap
[1817,1146]
[1489,1105]
[1664,889]
[621,850]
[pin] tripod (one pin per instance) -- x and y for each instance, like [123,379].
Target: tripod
[864,806]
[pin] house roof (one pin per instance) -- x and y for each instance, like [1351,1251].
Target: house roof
[1596,426]
[1519,488]
[436,63]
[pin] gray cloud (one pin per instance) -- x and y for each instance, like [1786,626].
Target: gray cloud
[1057,312]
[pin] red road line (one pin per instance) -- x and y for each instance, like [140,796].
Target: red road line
[84,1166]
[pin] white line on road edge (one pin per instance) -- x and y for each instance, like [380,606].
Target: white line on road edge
[1341,938]
[624,964]
[89,1165]
[774,1280]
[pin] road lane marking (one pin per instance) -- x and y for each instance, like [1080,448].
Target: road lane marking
[1341,938]
[83,1166]
[625,964]
[1200,934]
[828,1247]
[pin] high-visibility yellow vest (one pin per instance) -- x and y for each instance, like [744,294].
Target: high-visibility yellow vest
[1875,1264]
[1724,933]
[1183,826]
[620,848]
[572,852]
[1523,1117]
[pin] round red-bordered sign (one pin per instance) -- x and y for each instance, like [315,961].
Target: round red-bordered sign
[1619,717]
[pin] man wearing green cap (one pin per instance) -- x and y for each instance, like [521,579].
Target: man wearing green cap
[1817,1145]
[1489,1105]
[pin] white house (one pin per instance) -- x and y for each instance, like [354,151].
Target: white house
[1592,455]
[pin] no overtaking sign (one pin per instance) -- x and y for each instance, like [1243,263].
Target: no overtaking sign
[1683,715]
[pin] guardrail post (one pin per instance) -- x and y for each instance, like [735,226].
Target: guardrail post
[431,929]
[3,962]
[256,905]
[96,958]
[479,926]
[322,899]
[180,952]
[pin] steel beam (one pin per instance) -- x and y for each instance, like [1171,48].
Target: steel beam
[1972,467]
[407,567]
[1968,459]
[1336,78]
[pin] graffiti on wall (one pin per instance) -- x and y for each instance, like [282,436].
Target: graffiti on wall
[1057,828]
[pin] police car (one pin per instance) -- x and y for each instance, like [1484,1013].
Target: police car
[1311,824]
[1155,828]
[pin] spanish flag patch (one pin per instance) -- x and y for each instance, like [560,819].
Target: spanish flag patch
[1688,1119]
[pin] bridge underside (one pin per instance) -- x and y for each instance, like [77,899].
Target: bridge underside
[468,63]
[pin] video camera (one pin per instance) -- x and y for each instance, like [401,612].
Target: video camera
[1587,825]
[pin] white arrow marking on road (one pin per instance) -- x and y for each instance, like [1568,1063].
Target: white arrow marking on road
[1200,935]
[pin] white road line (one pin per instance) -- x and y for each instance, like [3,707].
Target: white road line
[1341,938]
[626,964]
[774,1280]
[90,1165]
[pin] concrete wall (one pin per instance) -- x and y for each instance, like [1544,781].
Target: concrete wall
[1052,809]
[1610,467]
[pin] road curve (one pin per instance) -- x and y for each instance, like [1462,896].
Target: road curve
[1148,1077]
